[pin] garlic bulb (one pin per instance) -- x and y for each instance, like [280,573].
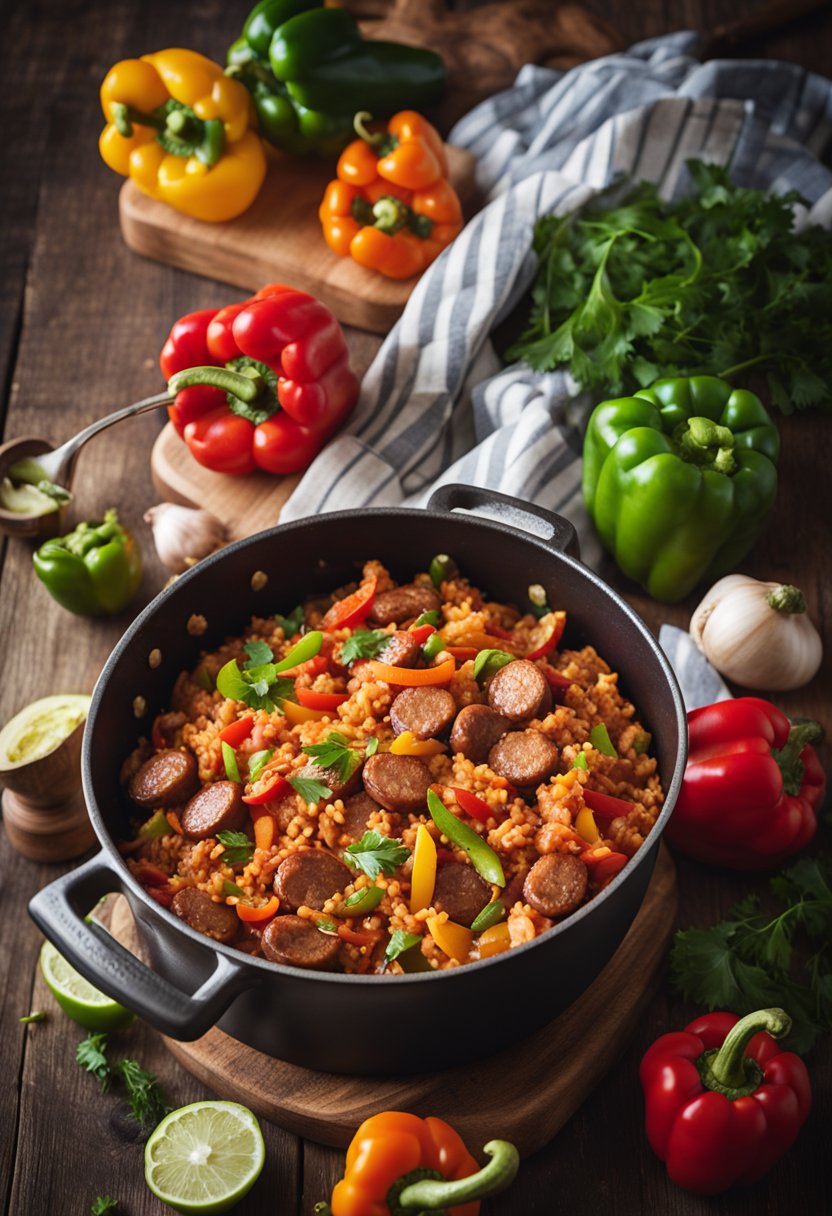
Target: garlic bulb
[183,535]
[757,634]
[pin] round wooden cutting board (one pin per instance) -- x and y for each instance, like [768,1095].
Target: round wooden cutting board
[541,1082]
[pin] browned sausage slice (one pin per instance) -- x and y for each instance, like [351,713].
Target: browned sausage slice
[556,884]
[476,729]
[309,878]
[166,779]
[357,810]
[520,691]
[426,712]
[198,909]
[218,807]
[297,943]
[460,892]
[524,757]
[331,779]
[402,603]
[398,783]
[402,650]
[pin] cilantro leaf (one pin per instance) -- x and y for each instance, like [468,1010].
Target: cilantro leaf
[371,748]
[259,652]
[376,854]
[292,623]
[335,753]
[399,942]
[104,1205]
[238,848]
[36,1015]
[363,644]
[91,1054]
[259,687]
[147,1102]
[311,789]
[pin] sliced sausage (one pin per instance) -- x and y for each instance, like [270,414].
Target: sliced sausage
[402,603]
[402,650]
[460,892]
[524,757]
[297,943]
[476,729]
[309,878]
[331,779]
[520,691]
[426,712]
[198,909]
[166,726]
[398,783]
[357,811]
[218,807]
[166,779]
[556,884]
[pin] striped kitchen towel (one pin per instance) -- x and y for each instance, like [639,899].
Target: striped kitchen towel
[436,405]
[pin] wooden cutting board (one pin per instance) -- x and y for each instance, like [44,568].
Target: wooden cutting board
[279,240]
[541,1082]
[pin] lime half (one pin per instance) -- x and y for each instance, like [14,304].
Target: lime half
[86,1005]
[204,1157]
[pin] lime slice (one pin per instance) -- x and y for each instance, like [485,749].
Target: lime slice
[204,1157]
[86,1005]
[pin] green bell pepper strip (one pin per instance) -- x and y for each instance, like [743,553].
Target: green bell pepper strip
[679,479]
[483,858]
[92,571]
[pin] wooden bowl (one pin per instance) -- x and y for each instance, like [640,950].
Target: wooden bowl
[13,523]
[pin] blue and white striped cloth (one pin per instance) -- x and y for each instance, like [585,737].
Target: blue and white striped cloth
[436,406]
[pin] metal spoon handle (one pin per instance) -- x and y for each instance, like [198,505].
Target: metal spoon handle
[59,465]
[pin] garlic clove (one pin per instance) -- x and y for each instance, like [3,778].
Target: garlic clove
[183,535]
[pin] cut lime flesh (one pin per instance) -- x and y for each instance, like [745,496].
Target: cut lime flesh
[204,1158]
[78,998]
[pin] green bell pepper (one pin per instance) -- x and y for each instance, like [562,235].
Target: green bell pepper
[678,480]
[92,571]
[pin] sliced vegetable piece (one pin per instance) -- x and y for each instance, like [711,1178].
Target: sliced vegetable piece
[258,761]
[549,643]
[488,662]
[606,869]
[350,611]
[406,744]
[157,825]
[434,645]
[229,759]
[413,677]
[357,937]
[472,805]
[362,902]
[494,941]
[272,785]
[423,878]
[265,828]
[605,806]
[600,739]
[307,648]
[586,827]
[237,732]
[253,916]
[452,939]
[580,762]
[421,633]
[325,701]
[296,714]
[491,914]
[483,858]
[442,567]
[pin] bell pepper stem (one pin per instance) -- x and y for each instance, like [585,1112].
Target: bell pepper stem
[727,1069]
[382,142]
[247,384]
[322,1209]
[786,599]
[788,757]
[124,117]
[432,1195]
[705,443]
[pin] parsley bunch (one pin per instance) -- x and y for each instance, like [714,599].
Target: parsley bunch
[147,1102]
[716,283]
[746,961]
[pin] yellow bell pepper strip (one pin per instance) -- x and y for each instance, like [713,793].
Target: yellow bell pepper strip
[453,939]
[494,940]
[180,129]
[586,827]
[406,744]
[296,714]
[412,677]
[423,878]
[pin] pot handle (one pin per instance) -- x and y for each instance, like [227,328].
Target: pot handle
[59,910]
[510,511]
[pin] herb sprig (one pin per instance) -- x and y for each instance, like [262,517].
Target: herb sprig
[147,1103]
[364,644]
[376,854]
[717,282]
[238,848]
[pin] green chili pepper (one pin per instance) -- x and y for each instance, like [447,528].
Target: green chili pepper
[427,618]
[360,903]
[679,480]
[491,914]
[433,646]
[441,568]
[157,825]
[483,858]
[231,888]
[229,757]
[92,571]
[600,739]
[489,661]
[306,649]
[580,761]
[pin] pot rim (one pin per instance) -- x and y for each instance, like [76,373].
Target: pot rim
[469,518]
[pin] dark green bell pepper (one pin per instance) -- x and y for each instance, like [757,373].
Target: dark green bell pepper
[92,571]
[679,479]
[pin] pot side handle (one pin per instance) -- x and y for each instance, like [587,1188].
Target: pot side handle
[560,533]
[60,909]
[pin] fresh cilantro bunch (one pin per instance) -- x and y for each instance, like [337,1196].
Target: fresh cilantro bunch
[750,960]
[717,283]
[147,1103]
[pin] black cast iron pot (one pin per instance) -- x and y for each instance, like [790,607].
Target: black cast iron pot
[345,1023]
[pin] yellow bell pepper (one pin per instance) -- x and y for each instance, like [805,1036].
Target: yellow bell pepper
[586,827]
[296,714]
[494,940]
[423,877]
[181,130]
[406,744]
[455,940]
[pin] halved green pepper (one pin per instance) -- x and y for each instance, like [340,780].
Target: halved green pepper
[679,480]
[92,571]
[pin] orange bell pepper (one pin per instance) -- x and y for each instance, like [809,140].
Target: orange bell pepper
[399,1160]
[391,207]
[413,677]
[252,916]
[406,744]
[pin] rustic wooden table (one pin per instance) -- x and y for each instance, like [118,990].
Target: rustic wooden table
[81,321]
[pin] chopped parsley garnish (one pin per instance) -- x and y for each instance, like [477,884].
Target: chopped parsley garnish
[399,942]
[260,684]
[258,762]
[229,759]
[259,652]
[238,848]
[310,788]
[104,1205]
[335,753]
[91,1054]
[147,1102]
[376,854]
[364,644]
[292,623]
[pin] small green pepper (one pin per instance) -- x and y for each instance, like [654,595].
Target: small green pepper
[360,903]
[92,571]
[483,858]
[491,914]
[433,646]
[600,739]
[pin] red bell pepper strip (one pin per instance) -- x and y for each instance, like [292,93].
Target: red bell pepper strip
[352,609]
[272,785]
[462,653]
[476,807]
[237,732]
[552,640]
[320,700]
[605,806]
[722,1102]
[752,786]
[292,351]
[421,633]
[605,868]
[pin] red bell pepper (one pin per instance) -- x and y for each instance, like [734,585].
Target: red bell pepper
[260,384]
[238,731]
[722,1102]
[271,785]
[752,786]
[605,806]
[547,646]
[320,700]
[352,609]
[476,807]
